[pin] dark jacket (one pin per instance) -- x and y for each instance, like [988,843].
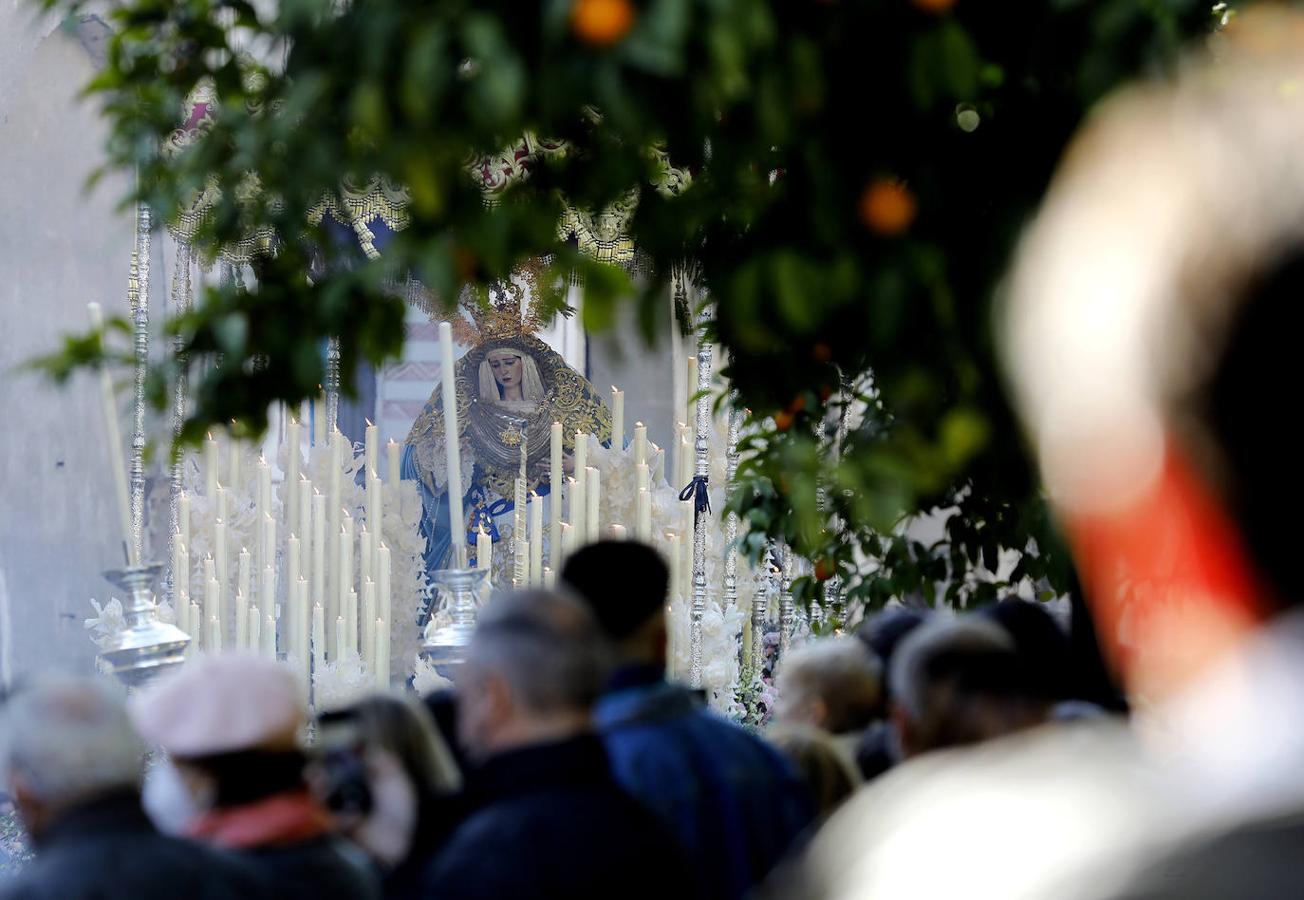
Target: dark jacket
[107,849]
[550,822]
[733,802]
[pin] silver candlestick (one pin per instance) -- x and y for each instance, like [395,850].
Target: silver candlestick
[138,301]
[332,385]
[145,646]
[702,472]
[459,589]
[787,610]
[181,303]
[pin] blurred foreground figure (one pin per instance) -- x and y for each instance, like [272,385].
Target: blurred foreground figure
[881,633]
[735,804]
[831,684]
[1154,312]
[547,819]
[389,779]
[72,762]
[231,725]
[822,764]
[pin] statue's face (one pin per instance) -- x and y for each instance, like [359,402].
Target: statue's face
[507,368]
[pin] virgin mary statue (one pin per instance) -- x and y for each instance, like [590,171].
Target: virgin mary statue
[510,388]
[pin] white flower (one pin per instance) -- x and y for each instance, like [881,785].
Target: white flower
[107,624]
[341,683]
[426,679]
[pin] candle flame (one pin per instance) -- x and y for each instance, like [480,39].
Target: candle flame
[370,424]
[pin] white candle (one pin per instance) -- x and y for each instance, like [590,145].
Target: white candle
[183,613]
[536,540]
[370,447]
[114,437]
[578,506]
[292,478]
[252,639]
[318,547]
[291,564]
[394,475]
[556,478]
[233,474]
[341,645]
[364,554]
[484,550]
[617,419]
[180,571]
[269,537]
[303,627]
[375,515]
[616,532]
[335,459]
[214,642]
[209,571]
[220,560]
[319,420]
[210,466]
[241,619]
[380,654]
[195,621]
[318,637]
[305,526]
[368,647]
[672,551]
[242,579]
[223,504]
[269,636]
[386,573]
[690,388]
[454,461]
[351,621]
[640,444]
[549,578]
[592,495]
[344,564]
[643,515]
[183,517]
[264,488]
[642,477]
[568,533]
[213,600]
[267,593]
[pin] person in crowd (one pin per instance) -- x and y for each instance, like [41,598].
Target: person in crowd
[546,818]
[831,684]
[389,779]
[231,724]
[1042,645]
[733,801]
[881,633]
[957,682]
[72,763]
[828,772]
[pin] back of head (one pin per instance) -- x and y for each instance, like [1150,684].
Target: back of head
[545,646]
[831,777]
[1042,645]
[884,631]
[832,683]
[624,583]
[402,726]
[957,682]
[67,740]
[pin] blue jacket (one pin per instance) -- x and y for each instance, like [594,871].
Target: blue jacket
[733,802]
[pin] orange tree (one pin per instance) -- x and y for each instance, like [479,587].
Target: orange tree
[860,170]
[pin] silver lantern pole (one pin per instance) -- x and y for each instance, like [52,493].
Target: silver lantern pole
[181,303]
[760,617]
[138,301]
[332,386]
[787,610]
[731,520]
[696,492]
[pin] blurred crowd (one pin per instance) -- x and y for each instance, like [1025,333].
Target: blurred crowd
[1152,315]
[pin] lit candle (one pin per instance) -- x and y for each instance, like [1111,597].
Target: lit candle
[319,420]
[394,475]
[351,621]
[364,554]
[640,444]
[183,612]
[335,460]
[233,476]
[266,593]
[241,619]
[269,537]
[264,497]
[318,547]
[183,517]
[243,565]
[642,477]
[195,620]
[375,514]
[452,453]
[210,466]
[292,477]
[269,636]
[616,532]
[567,539]
[214,642]
[617,419]
[219,554]
[484,550]
[643,515]
[341,647]
[536,540]
[114,436]
[305,493]
[575,501]
[386,573]
[549,578]
[672,551]
[344,564]
[303,627]
[291,564]
[180,568]
[223,504]
[368,647]
[592,494]
[380,654]
[251,640]
[556,478]
[370,447]
[318,637]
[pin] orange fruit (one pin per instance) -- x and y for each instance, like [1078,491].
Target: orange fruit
[887,207]
[822,352]
[601,22]
[936,7]
[783,420]
[824,570]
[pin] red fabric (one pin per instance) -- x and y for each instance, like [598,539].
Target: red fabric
[1178,542]
[279,820]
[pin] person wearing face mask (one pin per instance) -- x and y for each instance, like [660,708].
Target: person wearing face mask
[387,775]
[230,724]
[72,763]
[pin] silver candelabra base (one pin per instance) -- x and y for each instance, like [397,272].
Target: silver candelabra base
[458,594]
[145,646]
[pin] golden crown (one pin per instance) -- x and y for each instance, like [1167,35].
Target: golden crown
[504,310]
